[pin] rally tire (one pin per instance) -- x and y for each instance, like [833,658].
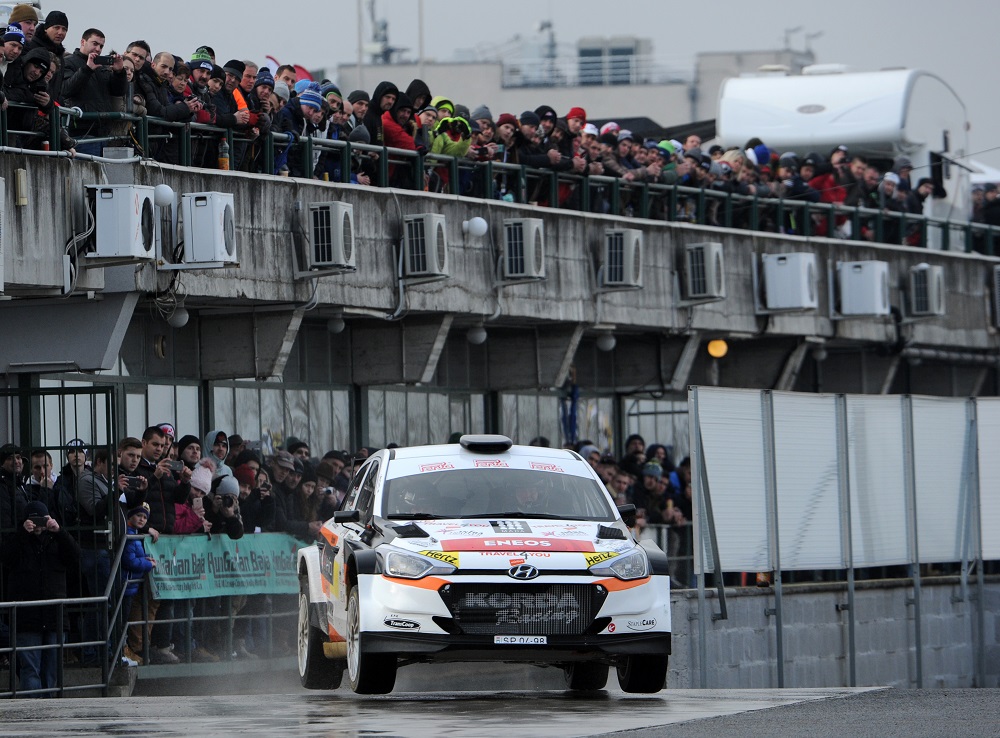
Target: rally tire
[644,673]
[315,670]
[586,677]
[370,673]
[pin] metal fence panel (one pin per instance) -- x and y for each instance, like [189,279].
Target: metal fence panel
[732,434]
[988,416]
[805,433]
[939,439]
[878,490]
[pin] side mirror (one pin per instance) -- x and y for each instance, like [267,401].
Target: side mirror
[628,514]
[354,516]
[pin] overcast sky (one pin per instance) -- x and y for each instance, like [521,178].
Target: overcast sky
[955,40]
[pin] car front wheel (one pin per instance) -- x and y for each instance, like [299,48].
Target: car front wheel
[586,676]
[370,673]
[643,673]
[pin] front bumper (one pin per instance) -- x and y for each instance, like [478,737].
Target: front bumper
[413,619]
[559,649]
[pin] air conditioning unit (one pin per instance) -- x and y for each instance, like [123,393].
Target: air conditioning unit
[523,248]
[622,260]
[425,244]
[704,270]
[863,287]
[926,290]
[331,241]
[126,221]
[790,281]
[209,228]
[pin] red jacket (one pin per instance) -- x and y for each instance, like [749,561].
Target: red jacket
[395,135]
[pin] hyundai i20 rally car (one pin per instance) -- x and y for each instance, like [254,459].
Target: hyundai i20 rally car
[481,551]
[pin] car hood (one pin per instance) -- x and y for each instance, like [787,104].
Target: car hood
[499,544]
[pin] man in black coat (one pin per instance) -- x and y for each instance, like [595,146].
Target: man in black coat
[37,558]
[90,86]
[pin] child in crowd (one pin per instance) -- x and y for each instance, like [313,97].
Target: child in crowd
[135,562]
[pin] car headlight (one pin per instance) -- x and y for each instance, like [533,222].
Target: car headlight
[630,566]
[405,565]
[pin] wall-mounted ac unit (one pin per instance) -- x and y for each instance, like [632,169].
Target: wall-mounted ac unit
[622,260]
[523,248]
[863,287]
[790,281]
[209,228]
[425,244]
[126,223]
[926,290]
[704,270]
[331,239]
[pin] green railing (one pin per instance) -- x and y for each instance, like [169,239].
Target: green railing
[190,144]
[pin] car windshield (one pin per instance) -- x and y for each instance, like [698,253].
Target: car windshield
[482,493]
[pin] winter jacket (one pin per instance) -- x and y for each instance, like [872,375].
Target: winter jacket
[186,520]
[157,94]
[41,41]
[135,563]
[37,565]
[161,495]
[91,90]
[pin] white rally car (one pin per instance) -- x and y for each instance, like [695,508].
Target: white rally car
[481,551]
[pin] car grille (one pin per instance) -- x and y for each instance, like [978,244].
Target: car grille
[523,609]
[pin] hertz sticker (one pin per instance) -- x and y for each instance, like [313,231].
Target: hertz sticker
[598,557]
[446,556]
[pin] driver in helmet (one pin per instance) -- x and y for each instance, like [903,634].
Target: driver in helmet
[529,494]
[416,499]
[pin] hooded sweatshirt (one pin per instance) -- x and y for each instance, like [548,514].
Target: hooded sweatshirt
[221,470]
[373,118]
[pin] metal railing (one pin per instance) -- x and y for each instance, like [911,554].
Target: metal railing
[195,144]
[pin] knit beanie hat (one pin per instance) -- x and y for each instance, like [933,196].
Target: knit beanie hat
[14,33]
[142,509]
[281,90]
[442,102]
[201,477]
[303,84]
[264,79]
[234,67]
[201,55]
[360,135]
[186,441]
[506,118]
[56,18]
[329,87]
[482,113]
[217,72]
[358,95]
[23,12]
[35,509]
[577,113]
[530,118]
[311,99]
[228,486]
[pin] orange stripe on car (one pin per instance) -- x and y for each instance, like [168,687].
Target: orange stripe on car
[330,536]
[617,585]
[433,583]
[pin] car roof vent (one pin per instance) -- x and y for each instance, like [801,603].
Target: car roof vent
[486,444]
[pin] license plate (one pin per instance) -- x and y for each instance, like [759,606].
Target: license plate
[518,640]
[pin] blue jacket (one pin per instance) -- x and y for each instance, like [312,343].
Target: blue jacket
[134,564]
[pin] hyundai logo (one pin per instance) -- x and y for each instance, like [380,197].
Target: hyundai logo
[523,572]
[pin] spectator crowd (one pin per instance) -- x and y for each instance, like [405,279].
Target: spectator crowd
[55,523]
[40,74]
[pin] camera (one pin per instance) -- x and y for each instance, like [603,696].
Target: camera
[37,87]
[105,60]
[228,501]
[39,520]
[176,466]
[133,482]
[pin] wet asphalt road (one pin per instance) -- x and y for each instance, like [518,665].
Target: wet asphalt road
[688,713]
